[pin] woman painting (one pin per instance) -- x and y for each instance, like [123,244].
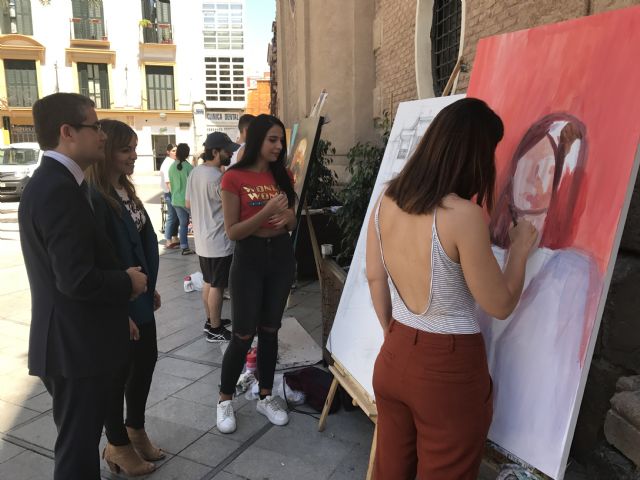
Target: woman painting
[429,261]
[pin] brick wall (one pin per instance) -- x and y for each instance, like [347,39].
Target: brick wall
[259,98]
[491,17]
[598,6]
[395,59]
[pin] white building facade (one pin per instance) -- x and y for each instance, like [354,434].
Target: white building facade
[224,61]
[141,61]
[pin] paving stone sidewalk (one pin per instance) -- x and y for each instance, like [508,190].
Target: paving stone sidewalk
[181,407]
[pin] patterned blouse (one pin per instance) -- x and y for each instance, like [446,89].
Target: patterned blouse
[137,215]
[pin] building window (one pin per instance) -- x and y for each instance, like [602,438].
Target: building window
[160,89]
[223,25]
[23,133]
[158,12]
[445,41]
[22,82]
[94,83]
[224,79]
[16,17]
[88,20]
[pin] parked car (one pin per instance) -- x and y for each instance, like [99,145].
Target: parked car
[18,161]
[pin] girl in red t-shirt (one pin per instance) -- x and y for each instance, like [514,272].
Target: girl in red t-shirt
[257,201]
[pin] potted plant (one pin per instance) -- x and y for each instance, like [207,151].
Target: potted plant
[364,163]
[322,180]
[319,195]
[145,23]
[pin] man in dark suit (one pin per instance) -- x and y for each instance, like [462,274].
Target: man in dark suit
[79,294]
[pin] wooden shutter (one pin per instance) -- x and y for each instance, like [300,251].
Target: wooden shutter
[22,83]
[23,17]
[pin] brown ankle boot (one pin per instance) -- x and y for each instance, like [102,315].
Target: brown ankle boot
[143,445]
[126,459]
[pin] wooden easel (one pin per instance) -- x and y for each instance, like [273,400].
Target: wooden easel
[360,399]
[340,374]
[452,78]
[317,256]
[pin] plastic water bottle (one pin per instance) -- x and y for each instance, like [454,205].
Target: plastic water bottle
[252,360]
[188,284]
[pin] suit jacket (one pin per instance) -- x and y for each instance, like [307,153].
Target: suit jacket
[79,293]
[133,249]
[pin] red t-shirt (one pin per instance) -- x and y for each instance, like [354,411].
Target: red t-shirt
[255,189]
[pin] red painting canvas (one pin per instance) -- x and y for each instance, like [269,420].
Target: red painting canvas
[569,96]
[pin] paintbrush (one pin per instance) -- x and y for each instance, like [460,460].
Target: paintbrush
[514,215]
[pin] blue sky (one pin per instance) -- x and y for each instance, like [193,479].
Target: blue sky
[259,15]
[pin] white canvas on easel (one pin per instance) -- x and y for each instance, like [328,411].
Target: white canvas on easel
[356,334]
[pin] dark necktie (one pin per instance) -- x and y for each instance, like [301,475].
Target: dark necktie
[85,190]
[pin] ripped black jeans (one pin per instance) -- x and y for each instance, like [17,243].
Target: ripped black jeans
[260,279]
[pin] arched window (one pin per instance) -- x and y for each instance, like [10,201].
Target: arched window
[445,41]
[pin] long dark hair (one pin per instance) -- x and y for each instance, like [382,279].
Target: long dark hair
[182,152]
[256,133]
[119,135]
[455,155]
[564,207]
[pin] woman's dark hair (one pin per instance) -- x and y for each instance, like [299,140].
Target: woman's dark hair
[455,155]
[182,152]
[170,147]
[256,133]
[561,130]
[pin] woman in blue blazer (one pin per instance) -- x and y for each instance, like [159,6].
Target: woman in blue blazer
[129,228]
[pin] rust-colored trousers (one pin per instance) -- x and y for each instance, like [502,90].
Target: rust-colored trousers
[434,399]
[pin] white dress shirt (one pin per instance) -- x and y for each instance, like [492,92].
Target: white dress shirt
[72,166]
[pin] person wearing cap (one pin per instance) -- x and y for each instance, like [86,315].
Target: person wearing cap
[212,245]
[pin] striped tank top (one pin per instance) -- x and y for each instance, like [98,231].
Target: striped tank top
[451,308]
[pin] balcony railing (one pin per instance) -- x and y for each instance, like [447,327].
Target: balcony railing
[87,29]
[156,33]
[100,98]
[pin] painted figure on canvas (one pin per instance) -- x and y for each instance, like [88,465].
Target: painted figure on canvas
[550,327]
[298,160]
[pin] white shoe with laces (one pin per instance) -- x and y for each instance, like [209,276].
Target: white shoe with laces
[271,407]
[226,419]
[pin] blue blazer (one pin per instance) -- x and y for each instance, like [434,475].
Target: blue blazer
[133,248]
[79,292]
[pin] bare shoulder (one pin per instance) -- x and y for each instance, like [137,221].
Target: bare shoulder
[459,209]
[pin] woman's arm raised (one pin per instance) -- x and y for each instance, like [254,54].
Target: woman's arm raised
[236,229]
[496,292]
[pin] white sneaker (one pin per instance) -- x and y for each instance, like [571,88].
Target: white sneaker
[226,419]
[271,408]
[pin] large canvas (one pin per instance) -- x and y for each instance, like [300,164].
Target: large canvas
[356,334]
[568,95]
[305,136]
